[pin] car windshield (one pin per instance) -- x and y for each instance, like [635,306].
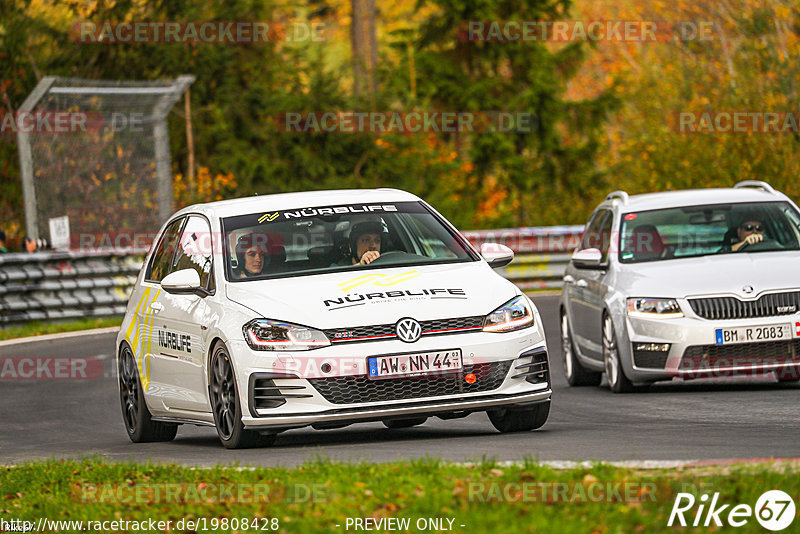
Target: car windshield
[317,240]
[704,230]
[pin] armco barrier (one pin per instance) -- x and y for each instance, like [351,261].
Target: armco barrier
[73,285]
[65,285]
[540,254]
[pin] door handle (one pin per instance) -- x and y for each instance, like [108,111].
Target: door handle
[156,307]
[569,279]
[581,283]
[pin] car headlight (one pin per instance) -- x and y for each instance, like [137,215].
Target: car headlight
[654,308]
[263,334]
[513,315]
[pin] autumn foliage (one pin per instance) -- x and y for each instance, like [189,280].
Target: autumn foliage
[603,107]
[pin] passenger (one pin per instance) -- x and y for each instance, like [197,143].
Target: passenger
[251,255]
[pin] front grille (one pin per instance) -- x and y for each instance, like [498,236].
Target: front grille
[650,359]
[357,389]
[383,332]
[733,308]
[701,357]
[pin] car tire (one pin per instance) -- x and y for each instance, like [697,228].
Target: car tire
[226,405]
[137,418]
[404,423]
[615,373]
[511,420]
[574,372]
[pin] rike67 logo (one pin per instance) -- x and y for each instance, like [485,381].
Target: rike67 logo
[774,510]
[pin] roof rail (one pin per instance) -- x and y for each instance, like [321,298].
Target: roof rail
[764,186]
[620,195]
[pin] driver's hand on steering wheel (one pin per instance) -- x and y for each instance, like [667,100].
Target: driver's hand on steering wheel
[369,256]
[752,239]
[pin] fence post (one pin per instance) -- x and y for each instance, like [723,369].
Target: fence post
[26,159]
[161,139]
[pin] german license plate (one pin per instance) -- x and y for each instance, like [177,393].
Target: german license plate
[751,334]
[422,363]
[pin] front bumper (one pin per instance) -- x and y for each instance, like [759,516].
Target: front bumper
[694,352]
[521,356]
[420,408]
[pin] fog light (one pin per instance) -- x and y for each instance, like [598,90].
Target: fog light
[653,347]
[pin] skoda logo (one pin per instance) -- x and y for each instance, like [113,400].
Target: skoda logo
[408,330]
[747,289]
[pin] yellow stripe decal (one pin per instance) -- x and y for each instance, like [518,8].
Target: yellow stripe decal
[378,279]
[138,330]
[147,345]
[135,320]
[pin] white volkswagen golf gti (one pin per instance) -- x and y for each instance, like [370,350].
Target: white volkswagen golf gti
[263,314]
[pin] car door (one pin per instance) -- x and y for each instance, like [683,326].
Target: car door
[178,334]
[572,289]
[596,287]
[583,287]
[140,332]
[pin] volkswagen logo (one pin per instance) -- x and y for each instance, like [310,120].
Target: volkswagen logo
[747,289]
[408,330]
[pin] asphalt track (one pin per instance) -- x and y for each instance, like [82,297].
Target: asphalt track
[696,420]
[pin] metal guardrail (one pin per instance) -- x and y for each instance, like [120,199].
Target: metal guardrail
[65,285]
[536,271]
[541,254]
[73,285]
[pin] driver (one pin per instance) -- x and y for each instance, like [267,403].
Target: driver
[365,242]
[251,255]
[749,232]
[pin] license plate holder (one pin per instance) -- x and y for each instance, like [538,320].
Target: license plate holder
[415,364]
[753,334]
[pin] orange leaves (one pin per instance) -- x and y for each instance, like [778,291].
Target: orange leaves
[204,188]
[492,197]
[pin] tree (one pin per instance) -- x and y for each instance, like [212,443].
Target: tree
[549,166]
[365,52]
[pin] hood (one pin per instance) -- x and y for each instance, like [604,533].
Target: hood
[709,275]
[377,296]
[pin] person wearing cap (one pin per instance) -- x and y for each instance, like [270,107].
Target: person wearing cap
[251,255]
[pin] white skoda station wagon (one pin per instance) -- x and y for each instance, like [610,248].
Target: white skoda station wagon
[264,314]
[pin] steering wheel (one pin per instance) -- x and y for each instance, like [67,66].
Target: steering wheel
[765,244]
[390,254]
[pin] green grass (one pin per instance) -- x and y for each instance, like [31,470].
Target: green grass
[38,328]
[95,490]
